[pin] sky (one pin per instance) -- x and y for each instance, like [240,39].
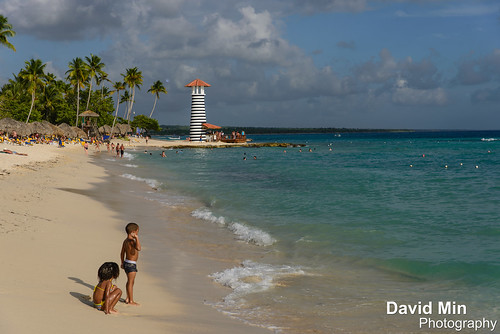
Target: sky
[392,64]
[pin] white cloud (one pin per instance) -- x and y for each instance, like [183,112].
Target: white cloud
[410,96]
[61,19]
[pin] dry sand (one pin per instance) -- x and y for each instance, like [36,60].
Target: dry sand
[52,241]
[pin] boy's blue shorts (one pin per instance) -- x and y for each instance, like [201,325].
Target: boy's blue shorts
[129,267]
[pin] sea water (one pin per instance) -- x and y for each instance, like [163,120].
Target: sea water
[345,224]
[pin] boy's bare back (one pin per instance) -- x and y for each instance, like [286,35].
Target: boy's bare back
[131,247]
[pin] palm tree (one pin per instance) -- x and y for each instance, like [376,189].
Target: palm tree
[50,96]
[94,68]
[33,75]
[51,93]
[100,79]
[77,74]
[14,89]
[118,86]
[6,31]
[156,89]
[133,79]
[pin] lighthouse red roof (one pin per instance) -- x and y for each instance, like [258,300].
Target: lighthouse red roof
[197,83]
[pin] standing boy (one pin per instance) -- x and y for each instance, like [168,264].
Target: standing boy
[129,255]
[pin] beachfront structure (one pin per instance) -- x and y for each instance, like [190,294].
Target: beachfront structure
[198,115]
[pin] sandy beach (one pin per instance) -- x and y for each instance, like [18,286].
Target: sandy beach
[53,237]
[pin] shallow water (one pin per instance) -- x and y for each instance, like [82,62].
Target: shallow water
[337,228]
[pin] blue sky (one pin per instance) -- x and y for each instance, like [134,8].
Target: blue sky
[428,64]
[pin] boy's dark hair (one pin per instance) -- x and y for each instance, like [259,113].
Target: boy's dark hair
[108,270]
[131,227]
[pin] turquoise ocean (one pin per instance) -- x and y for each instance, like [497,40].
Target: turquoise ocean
[344,224]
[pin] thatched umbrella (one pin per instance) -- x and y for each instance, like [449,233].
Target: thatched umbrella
[119,128]
[24,130]
[67,130]
[37,127]
[88,113]
[54,130]
[127,128]
[124,128]
[105,129]
[79,132]
[8,125]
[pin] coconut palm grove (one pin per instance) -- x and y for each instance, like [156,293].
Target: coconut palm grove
[33,94]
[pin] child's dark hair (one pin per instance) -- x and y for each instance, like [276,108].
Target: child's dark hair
[131,227]
[108,270]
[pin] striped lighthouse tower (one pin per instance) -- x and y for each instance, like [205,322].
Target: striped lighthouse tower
[198,116]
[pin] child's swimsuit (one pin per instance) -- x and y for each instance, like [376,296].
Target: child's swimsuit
[129,266]
[100,305]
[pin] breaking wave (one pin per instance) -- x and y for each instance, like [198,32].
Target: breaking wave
[150,182]
[243,232]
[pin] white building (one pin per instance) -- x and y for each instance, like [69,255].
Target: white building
[198,115]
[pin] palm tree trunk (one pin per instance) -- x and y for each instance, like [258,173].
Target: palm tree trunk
[154,105]
[90,91]
[127,112]
[31,108]
[116,114]
[77,102]
[131,104]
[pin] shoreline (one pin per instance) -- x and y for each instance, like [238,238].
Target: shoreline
[181,144]
[57,233]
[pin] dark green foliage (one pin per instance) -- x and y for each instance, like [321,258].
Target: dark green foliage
[144,122]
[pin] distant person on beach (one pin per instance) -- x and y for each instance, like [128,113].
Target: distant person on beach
[122,149]
[117,150]
[106,294]
[86,147]
[163,155]
[129,255]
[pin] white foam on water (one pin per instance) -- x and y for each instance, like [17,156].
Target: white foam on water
[205,214]
[150,182]
[130,165]
[243,232]
[489,139]
[128,156]
[251,234]
[251,277]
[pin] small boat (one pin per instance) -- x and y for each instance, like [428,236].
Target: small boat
[239,139]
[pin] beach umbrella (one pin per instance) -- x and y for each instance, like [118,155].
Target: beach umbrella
[24,129]
[126,128]
[67,130]
[105,129]
[8,125]
[88,113]
[121,129]
[37,127]
[53,129]
[79,132]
